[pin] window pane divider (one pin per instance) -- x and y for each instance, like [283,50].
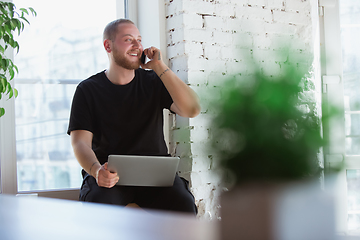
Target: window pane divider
[352,112]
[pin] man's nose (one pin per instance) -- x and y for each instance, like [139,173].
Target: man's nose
[136,44]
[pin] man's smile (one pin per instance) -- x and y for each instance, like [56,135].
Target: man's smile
[134,54]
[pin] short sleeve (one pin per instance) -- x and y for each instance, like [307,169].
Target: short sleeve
[80,114]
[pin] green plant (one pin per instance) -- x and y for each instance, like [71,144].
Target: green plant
[11,21]
[260,132]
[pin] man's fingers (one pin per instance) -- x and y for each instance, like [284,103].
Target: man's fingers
[113,183]
[106,178]
[151,52]
[108,175]
[109,183]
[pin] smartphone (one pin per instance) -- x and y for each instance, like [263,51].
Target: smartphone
[142,59]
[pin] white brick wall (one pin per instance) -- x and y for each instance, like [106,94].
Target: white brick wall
[210,40]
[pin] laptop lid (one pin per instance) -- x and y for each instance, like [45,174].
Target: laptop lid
[152,171]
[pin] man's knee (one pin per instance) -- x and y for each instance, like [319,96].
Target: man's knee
[176,198]
[186,203]
[101,195]
[91,192]
[186,197]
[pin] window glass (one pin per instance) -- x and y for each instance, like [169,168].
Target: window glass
[353,185]
[350,33]
[61,47]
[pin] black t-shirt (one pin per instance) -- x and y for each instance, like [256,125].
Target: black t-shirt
[124,119]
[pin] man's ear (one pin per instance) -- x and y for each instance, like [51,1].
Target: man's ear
[107,45]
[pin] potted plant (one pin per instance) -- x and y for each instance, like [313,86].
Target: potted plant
[11,22]
[268,146]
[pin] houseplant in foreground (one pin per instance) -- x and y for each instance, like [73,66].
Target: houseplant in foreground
[11,22]
[259,127]
[268,146]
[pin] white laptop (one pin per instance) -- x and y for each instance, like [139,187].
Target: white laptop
[152,171]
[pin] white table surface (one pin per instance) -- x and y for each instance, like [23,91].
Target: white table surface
[45,218]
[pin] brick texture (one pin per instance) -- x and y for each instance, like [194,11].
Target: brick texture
[209,40]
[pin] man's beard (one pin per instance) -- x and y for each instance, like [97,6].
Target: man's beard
[122,61]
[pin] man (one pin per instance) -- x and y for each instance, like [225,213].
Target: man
[120,111]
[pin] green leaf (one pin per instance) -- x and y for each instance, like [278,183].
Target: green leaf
[7,26]
[2,112]
[2,9]
[6,39]
[14,43]
[17,47]
[8,89]
[4,63]
[23,18]
[11,62]
[11,42]
[12,74]
[16,24]
[13,23]
[11,6]
[16,93]
[2,30]
[16,68]
[24,10]
[3,84]
[11,92]
[33,11]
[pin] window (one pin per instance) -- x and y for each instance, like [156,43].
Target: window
[350,31]
[341,81]
[61,47]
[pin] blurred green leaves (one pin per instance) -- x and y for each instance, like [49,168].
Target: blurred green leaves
[260,132]
[11,22]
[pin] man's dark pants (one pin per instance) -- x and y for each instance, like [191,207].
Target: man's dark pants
[176,198]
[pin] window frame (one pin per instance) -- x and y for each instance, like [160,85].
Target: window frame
[333,92]
[147,24]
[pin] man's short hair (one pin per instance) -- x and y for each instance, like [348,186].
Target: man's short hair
[111,29]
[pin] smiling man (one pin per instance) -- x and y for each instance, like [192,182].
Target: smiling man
[120,111]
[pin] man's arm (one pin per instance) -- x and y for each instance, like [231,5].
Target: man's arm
[81,142]
[186,102]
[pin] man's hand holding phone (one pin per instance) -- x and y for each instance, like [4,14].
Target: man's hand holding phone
[155,59]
